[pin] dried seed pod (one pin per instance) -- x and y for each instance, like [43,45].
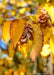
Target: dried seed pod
[44,19]
[27,34]
[24,40]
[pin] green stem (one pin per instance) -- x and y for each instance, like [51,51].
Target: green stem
[35,68]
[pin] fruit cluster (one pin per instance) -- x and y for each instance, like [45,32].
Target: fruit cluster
[44,18]
[27,34]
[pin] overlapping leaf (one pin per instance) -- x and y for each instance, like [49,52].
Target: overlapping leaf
[46,50]
[39,10]
[9,72]
[5,31]
[24,49]
[52,44]
[50,10]
[1,20]
[16,30]
[47,34]
[52,41]
[21,71]
[52,57]
[37,42]
[11,50]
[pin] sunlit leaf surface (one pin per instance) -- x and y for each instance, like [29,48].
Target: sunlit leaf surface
[52,57]
[16,30]
[46,50]
[50,10]
[24,49]
[11,50]
[5,30]
[37,40]
[47,34]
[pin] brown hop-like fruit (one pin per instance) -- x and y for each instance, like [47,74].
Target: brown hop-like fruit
[27,34]
[44,18]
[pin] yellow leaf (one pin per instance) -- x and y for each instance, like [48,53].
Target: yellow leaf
[1,62]
[37,42]
[12,1]
[5,30]
[46,50]
[53,31]
[16,72]
[22,10]
[50,10]
[11,50]
[39,10]
[1,4]
[47,34]
[2,68]
[52,44]
[1,20]
[21,4]
[47,0]
[52,41]
[21,71]
[16,30]
[9,72]
[52,57]
[13,13]
[24,49]
[7,61]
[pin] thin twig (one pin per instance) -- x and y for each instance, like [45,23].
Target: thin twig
[22,16]
[26,16]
